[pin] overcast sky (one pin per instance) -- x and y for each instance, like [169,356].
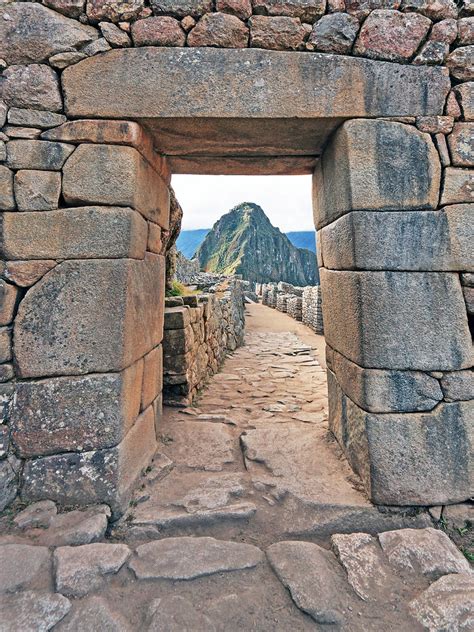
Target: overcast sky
[286,200]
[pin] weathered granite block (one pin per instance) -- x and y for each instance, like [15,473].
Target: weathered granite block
[379,391]
[177,317]
[432,240]
[89,232]
[407,459]
[99,476]
[306,11]
[33,86]
[37,154]
[8,481]
[376,165]
[6,396]
[7,198]
[178,342]
[458,186]
[90,316]
[27,273]
[465,92]
[458,385]
[74,414]
[37,190]
[397,320]
[115,175]
[5,344]
[8,299]
[35,118]
[461,145]
[152,376]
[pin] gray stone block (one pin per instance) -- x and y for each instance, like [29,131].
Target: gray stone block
[461,144]
[458,186]
[381,391]
[90,316]
[414,240]
[37,190]
[37,154]
[35,118]
[100,476]
[89,232]
[177,317]
[8,482]
[114,175]
[7,198]
[67,414]
[458,385]
[8,300]
[33,86]
[397,320]
[376,165]
[407,459]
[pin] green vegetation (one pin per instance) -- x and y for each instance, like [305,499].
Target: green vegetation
[177,289]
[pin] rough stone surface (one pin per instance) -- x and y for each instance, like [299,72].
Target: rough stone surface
[114,35]
[317,584]
[81,570]
[27,273]
[152,376]
[71,8]
[37,190]
[461,145]
[106,174]
[21,563]
[113,10]
[73,527]
[158,31]
[32,33]
[8,483]
[458,385]
[465,92]
[34,86]
[378,165]
[147,93]
[334,33]
[190,557]
[8,299]
[32,610]
[276,33]
[75,414]
[461,63]
[5,344]
[241,8]
[221,30]
[100,325]
[459,516]
[63,60]
[176,613]
[458,186]
[80,233]
[386,391]
[424,311]
[183,8]
[35,118]
[7,197]
[427,551]
[447,604]
[37,154]
[36,515]
[433,240]
[391,35]
[305,10]
[100,476]
[202,445]
[94,613]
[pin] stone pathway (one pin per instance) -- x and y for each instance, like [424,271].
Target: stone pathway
[249,518]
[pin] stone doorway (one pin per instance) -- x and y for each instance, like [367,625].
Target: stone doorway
[396,320]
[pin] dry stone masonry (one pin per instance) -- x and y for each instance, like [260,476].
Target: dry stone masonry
[303,304]
[198,334]
[101,101]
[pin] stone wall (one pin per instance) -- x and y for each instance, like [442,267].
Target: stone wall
[197,337]
[312,311]
[303,304]
[83,206]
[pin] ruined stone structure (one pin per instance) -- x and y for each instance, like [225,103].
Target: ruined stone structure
[312,312]
[197,337]
[102,101]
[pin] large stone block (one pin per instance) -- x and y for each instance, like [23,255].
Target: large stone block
[379,391]
[90,316]
[109,174]
[276,33]
[103,86]
[177,317]
[37,154]
[413,240]
[8,300]
[37,190]
[397,320]
[73,414]
[307,11]
[99,476]
[34,86]
[90,232]
[411,458]
[458,186]
[29,32]
[220,30]
[7,197]
[152,376]
[376,165]
[461,145]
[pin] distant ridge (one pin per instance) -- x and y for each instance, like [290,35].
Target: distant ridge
[243,241]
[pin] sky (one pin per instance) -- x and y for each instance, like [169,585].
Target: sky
[286,200]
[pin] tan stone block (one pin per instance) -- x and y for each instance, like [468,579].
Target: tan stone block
[458,186]
[221,30]
[90,316]
[461,145]
[376,165]
[5,344]
[7,198]
[73,414]
[152,376]
[37,190]
[6,372]
[113,175]
[37,154]
[8,298]
[465,92]
[276,33]
[111,133]
[158,31]
[33,86]
[76,233]
[27,273]
[154,238]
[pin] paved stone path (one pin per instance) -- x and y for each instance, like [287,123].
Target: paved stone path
[283,537]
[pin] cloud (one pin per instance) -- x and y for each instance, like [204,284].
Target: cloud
[285,199]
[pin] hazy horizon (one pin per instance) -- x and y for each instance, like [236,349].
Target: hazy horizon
[286,200]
